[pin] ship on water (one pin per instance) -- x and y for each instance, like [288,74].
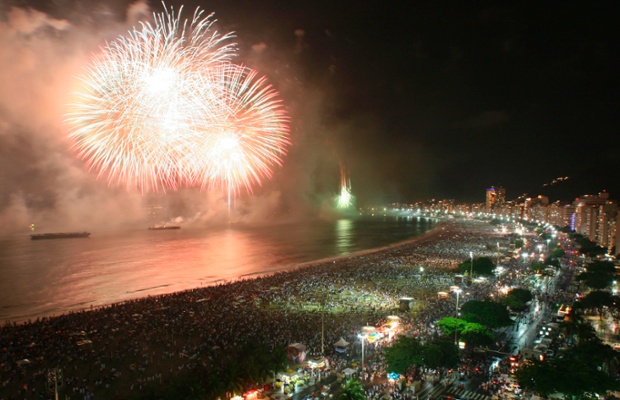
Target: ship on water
[163,227]
[60,235]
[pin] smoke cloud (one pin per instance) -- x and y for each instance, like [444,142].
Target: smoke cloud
[43,183]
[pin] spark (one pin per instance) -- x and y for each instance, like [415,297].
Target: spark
[165,107]
[345,199]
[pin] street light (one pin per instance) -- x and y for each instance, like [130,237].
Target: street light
[497,253]
[456,311]
[362,337]
[471,269]
[323,329]
[53,377]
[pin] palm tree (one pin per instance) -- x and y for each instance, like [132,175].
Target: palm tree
[353,390]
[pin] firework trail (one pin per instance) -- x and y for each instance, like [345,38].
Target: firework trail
[164,107]
[345,198]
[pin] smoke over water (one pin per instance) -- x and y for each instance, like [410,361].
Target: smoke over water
[42,182]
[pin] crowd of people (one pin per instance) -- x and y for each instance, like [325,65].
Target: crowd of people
[122,349]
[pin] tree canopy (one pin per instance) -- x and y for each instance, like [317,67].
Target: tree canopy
[472,333]
[517,298]
[597,299]
[537,266]
[489,313]
[588,247]
[352,390]
[598,275]
[577,371]
[580,369]
[406,352]
[476,335]
[554,262]
[441,353]
[450,325]
[557,252]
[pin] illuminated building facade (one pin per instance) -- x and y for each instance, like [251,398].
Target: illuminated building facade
[587,214]
[495,197]
[594,216]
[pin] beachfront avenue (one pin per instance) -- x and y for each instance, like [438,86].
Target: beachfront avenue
[230,339]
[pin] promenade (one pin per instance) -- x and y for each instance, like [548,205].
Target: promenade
[143,346]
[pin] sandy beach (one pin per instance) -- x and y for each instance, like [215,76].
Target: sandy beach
[145,346]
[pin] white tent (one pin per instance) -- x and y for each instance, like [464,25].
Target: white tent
[348,371]
[341,345]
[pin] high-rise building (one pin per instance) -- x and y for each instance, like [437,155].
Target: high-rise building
[501,195]
[606,227]
[595,217]
[495,197]
[615,250]
[587,214]
[561,215]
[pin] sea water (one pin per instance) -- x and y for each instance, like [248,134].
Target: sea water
[51,277]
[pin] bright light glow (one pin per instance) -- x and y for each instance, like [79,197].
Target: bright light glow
[345,199]
[164,107]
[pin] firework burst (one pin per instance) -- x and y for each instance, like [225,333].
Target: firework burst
[345,199]
[164,107]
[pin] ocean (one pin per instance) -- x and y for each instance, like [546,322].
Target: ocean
[52,277]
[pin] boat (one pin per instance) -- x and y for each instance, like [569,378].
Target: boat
[163,227]
[60,235]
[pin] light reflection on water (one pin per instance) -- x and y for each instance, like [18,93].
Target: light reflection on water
[344,232]
[54,276]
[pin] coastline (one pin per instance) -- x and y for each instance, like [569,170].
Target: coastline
[137,295]
[430,234]
[154,339]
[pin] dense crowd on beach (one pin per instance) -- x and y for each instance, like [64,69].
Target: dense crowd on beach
[120,350]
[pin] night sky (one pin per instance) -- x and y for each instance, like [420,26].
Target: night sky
[444,99]
[418,100]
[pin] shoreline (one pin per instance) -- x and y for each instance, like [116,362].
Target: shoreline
[124,350]
[430,234]
[324,261]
